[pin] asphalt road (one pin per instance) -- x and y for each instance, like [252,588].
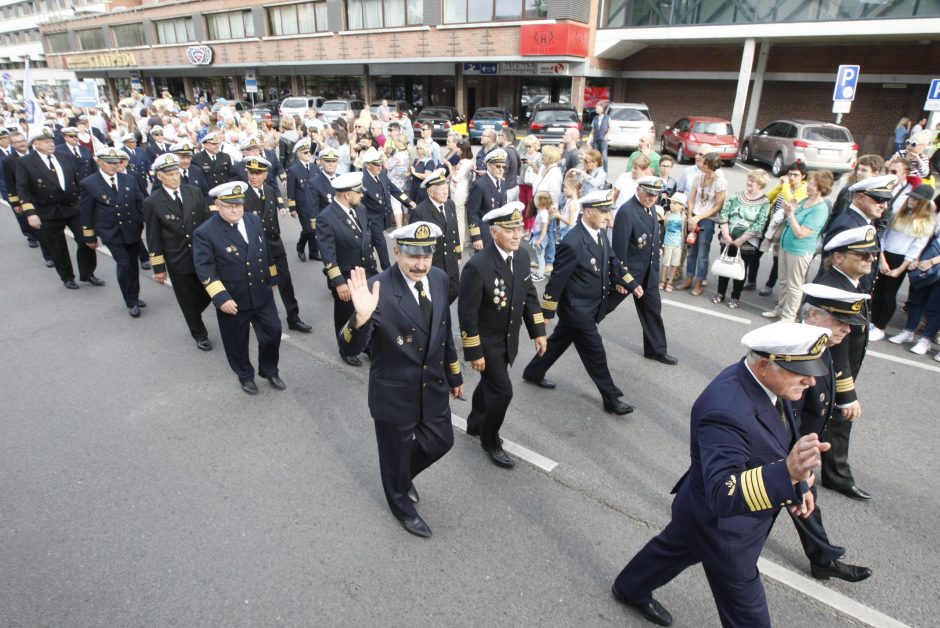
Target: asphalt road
[140,487]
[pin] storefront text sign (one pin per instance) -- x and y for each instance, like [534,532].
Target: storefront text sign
[103,60]
[543,40]
[199,55]
[524,68]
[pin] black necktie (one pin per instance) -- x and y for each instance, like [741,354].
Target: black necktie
[600,240]
[114,183]
[261,194]
[424,302]
[51,164]
[77,154]
[497,185]
[178,199]
[186,176]
[783,415]
[509,262]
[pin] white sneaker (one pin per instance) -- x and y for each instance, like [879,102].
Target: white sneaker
[875,334]
[904,336]
[937,357]
[922,346]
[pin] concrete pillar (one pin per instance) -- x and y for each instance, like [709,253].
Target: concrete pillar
[756,91]
[188,88]
[744,81]
[577,91]
[460,90]
[295,85]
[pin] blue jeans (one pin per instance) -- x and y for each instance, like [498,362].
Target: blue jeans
[601,146]
[696,266]
[550,242]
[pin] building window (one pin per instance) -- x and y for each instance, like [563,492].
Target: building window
[296,19]
[232,25]
[127,35]
[460,11]
[91,39]
[383,13]
[178,31]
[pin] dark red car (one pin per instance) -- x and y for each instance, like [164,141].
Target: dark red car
[686,136]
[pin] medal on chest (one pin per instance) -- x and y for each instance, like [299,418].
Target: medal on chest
[499,293]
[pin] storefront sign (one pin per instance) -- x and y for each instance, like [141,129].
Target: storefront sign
[480,68]
[552,69]
[565,38]
[199,55]
[515,68]
[103,60]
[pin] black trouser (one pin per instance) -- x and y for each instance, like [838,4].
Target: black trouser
[884,297]
[142,254]
[406,451]
[491,399]
[54,235]
[748,254]
[590,349]
[377,225]
[649,308]
[308,237]
[284,285]
[235,337]
[816,544]
[837,473]
[193,299]
[755,266]
[128,273]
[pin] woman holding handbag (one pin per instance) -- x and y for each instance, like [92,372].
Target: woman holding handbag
[741,222]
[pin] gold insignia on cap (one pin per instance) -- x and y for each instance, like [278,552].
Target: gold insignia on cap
[516,215]
[170,159]
[820,345]
[423,232]
[237,189]
[857,306]
[870,234]
[113,153]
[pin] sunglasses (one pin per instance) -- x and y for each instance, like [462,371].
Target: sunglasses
[864,255]
[499,166]
[911,143]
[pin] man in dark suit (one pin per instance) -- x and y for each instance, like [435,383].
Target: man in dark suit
[345,243]
[378,192]
[83,160]
[47,189]
[747,462]
[836,310]
[635,240]
[188,175]
[19,148]
[586,269]
[321,184]
[406,328]
[112,208]
[263,200]
[299,175]
[438,209]
[485,195]
[139,160]
[216,165]
[233,263]
[496,296]
[156,144]
[172,212]
[252,148]
[853,253]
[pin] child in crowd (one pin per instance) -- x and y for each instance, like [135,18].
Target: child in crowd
[669,184]
[674,232]
[543,211]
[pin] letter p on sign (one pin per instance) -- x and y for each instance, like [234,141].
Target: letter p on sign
[846,82]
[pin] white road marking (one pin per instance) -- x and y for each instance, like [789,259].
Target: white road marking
[827,596]
[702,310]
[745,168]
[535,459]
[914,363]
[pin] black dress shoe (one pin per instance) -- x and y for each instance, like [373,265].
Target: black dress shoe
[352,360]
[302,256]
[49,263]
[541,383]
[277,382]
[853,492]
[615,406]
[141,303]
[473,431]
[94,280]
[204,345]
[134,311]
[416,526]
[413,494]
[32,244]
[653,611]
[838,569]
[250,387]
[146,265]
[499,457]
[70,284]
[665,358]
[300,326]
[317,257]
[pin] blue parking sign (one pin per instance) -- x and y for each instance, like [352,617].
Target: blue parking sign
[933,96]
[846,82]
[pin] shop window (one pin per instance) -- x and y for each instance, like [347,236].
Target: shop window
[91,39]
[128,35]
[362,14]
[58,42]
[461,11]
[296,19]
[231,25]
[177,31]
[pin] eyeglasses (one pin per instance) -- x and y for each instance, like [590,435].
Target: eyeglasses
[304,152]
[499,166]
[863,255]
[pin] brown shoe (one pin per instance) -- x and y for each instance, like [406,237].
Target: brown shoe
[685,285]
[697,290]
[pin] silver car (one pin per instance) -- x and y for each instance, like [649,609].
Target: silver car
[818,145]
[628,123]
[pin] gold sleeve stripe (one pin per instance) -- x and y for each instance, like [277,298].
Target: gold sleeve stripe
[280,200]
[333,273]
[14,199]
[474,230]
[28,207]
[273,270]
[313,223]
[754,491]
[157,259]
[748,491]
[89,233]
[549,305]
[291,203]
[761,489]
[458,249]
[628,278]
[455,368]
[213,208]
[471,341]
[347,333]
[215,288]
[845,384]
[538,317]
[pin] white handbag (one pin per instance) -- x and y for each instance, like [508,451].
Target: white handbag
[730,267]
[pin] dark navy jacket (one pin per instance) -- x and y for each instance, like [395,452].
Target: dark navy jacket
[636,242]
[483,197]
[298,193]
[84,165]
[377,195]
[115,217]
[344,244]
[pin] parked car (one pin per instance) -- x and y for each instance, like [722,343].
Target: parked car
[686,136]
[819,145]
[628,123]
[240,105]
[443,120]
[397,108]
[266,111]
[333,109]
[495,118]
[550,121]
[298,105]
[529,103]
